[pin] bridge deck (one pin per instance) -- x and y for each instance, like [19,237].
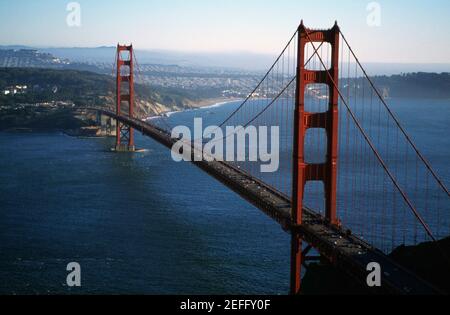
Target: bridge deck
[347,252]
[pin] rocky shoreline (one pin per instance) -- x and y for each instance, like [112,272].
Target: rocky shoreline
[427,260]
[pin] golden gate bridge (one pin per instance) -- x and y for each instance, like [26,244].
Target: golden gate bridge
[352,185]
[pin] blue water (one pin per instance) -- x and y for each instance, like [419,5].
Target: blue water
[141,223]
[367,202]
[136,223]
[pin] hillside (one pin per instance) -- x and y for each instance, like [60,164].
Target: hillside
[30,95]
[410,85]
[428,260]
[417,85]
[82,88]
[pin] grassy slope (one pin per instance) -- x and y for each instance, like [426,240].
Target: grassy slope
[81,87]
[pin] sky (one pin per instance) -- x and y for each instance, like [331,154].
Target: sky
[409,31]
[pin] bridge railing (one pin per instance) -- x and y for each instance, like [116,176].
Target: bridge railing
[388,194]
[409,206]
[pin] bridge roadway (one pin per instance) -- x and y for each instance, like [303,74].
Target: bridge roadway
[337,245]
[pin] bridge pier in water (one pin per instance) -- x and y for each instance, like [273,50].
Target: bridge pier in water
[316,226]
[125,94]
[303,120]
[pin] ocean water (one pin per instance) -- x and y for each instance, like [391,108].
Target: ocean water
[143,224]
[136,223]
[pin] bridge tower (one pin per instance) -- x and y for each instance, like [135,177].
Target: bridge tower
[125,94]
[303,120]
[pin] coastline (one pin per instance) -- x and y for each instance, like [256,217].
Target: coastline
[211,102]
[195,105]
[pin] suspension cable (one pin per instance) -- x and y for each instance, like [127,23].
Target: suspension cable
[397,122]
[372,146]
[154,108]
[274,99]
[261,82]
[258,115]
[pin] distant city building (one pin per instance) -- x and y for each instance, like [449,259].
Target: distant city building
[16,89]
[29,58]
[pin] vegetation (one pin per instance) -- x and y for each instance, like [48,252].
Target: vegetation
[410,85]
[416,85]
[34,120]
[81,87]
[58,90]
[428,260]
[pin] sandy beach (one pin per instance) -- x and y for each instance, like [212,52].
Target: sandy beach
[211,101]
[192,105]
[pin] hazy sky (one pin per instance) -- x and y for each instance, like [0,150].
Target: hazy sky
[411,30]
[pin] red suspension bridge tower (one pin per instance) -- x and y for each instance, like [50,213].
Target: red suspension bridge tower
[371,170]
[125,94]
[303,120]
